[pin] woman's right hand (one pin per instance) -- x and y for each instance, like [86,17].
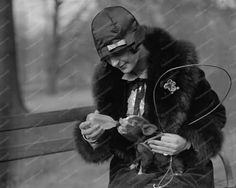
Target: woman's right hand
[91,131]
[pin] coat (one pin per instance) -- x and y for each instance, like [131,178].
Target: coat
[175,110]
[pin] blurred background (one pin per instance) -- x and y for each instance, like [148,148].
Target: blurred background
[56,58]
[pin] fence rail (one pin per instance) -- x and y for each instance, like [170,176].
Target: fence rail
[10,152]
[36,149]
[32,120]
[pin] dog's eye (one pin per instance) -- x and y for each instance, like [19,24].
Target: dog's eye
[134,123]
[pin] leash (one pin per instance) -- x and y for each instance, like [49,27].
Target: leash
[170,169]
[193,65]
[174,88]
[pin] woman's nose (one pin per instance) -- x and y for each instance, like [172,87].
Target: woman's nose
[114,62]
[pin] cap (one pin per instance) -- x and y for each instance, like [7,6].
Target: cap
[114,29]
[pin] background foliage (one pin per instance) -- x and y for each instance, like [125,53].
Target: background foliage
[56,58]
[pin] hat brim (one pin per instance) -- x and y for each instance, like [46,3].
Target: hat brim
[105,52]
[134,38]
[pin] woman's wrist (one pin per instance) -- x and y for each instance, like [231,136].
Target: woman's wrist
[91,141]
[187,145]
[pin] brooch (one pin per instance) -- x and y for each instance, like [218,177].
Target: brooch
[171,86]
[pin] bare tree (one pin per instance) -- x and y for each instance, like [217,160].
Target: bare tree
[52,41]
[10,95]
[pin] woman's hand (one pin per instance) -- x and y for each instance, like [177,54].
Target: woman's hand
[91,131]
[123,128]
[169,144]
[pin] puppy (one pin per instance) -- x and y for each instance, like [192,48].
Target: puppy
[139,131]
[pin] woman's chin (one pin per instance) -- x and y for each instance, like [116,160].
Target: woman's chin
[126,70]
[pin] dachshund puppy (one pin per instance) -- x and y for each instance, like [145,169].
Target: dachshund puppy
[139,131]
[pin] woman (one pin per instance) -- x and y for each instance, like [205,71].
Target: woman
[133,60]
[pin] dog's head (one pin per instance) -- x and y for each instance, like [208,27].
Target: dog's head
[138,129]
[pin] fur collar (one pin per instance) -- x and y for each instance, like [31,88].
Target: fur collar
[165,53]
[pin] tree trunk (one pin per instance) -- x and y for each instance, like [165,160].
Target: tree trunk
[10,96]
[52,57]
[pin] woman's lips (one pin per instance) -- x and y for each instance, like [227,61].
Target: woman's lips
[123,66]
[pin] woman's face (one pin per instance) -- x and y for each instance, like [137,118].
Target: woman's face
[127,61]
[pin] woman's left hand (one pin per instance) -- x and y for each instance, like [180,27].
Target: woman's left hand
[170,144]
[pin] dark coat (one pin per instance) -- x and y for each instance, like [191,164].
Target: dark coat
[193,99]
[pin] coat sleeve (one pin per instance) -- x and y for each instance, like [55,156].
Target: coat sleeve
[205,135]
[110,143]
[87,152]
[174,100]
[192,100]
[107,87]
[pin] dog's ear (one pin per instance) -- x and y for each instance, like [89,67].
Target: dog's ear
[149,129]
